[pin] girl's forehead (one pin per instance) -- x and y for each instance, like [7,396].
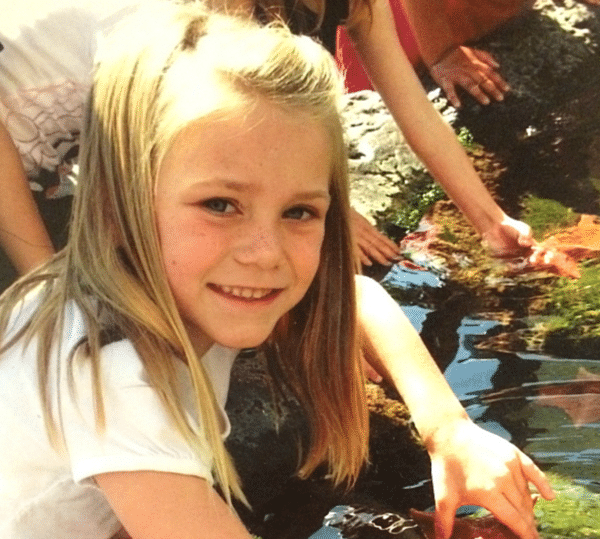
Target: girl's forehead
[250,114]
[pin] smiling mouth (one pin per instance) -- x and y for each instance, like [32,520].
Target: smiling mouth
[245,293]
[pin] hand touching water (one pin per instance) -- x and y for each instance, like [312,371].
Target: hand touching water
[471,466]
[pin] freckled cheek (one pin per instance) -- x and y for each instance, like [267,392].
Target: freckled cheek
[186,247]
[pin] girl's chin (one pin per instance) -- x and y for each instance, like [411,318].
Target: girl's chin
[252,339]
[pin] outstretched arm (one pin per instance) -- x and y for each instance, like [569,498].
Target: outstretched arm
[450,63]
[22,232]
[429,136]
[470,466]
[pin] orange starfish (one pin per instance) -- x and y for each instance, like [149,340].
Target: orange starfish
[580,241]
[560,252]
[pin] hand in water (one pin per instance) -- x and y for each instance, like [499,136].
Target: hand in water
[509,239]
[471,466]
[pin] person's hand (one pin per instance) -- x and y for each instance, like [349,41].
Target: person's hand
[471,466]
[472,69]
[509,238]
[371,244]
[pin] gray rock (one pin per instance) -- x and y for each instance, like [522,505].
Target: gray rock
[381,164]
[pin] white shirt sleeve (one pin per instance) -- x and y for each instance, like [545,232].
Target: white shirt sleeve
[139,434]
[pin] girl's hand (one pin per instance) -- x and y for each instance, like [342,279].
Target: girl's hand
[472,69]
[471,466]
[509,238]
[371,244]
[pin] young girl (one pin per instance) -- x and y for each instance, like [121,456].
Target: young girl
[212,215]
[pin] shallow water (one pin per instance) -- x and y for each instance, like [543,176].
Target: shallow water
[547,406]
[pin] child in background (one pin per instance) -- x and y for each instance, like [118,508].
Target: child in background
[436,32]
[46,55]
[212,215]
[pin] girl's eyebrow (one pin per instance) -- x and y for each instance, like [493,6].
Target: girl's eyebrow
[242,187]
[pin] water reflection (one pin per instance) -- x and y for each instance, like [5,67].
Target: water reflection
[547,406]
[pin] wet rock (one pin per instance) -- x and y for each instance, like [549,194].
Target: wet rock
[487,527]
[267,431]
[365,522]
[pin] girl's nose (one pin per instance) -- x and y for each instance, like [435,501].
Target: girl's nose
[263,248]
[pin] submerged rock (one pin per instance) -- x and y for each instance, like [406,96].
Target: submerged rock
[364,522]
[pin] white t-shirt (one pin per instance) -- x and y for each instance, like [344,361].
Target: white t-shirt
[45,494]
[46,63]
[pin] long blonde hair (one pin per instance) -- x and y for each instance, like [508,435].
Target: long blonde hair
[112,269]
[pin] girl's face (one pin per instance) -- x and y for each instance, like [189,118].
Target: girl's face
[240,207]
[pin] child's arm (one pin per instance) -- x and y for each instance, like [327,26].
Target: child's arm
[22,232]
[429,136]
[469,465]
[449,63]
[159,505]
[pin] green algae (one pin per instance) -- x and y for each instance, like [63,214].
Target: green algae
[424,192]
[423,195]
[573,514]
[466,139]
[546,216]
[575,304]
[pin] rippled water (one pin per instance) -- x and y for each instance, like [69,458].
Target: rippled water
[547,406]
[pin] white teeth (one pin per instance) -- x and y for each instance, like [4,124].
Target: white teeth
[246,293]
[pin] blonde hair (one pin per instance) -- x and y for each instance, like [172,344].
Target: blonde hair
[112,269]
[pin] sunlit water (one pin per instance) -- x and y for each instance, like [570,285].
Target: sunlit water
[547,406]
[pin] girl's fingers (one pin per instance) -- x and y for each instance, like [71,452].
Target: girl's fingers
[372,243]
[522,523]
[500,83]
[450,91]
[445,511]
[486,58]
[373,252]
[364,259]
[534,475]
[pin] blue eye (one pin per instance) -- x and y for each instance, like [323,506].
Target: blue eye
[219,205]
[300,213]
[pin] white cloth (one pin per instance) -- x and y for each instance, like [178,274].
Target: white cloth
[45,494]
[45,73]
